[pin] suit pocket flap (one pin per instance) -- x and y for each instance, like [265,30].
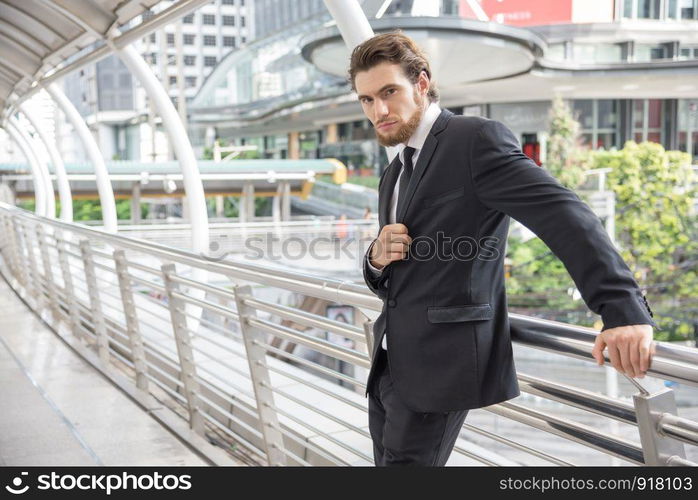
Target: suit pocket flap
[454,314]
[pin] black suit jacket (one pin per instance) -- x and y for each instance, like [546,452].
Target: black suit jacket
[449,344]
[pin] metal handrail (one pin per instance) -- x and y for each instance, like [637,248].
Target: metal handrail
[280,434]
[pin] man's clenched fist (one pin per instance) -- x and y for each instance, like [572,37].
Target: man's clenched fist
[392,244]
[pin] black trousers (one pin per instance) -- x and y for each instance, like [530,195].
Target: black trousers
[402,436]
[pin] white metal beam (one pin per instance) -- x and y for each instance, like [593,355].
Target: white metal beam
[104,188]
[170,14]
[58,166]
[85,13]
[179,141]
[351,21]
[39,185]
[49,197]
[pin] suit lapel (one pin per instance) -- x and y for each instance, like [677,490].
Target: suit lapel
[386,191]
[423,161]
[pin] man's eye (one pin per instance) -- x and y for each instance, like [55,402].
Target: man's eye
[390,91]
[365,100]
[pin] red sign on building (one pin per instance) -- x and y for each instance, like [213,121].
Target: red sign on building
[528,12]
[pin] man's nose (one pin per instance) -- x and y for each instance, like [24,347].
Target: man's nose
[381,109]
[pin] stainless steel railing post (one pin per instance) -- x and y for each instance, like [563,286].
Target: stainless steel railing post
[135,339]
[95,303]
[259,372]
[33,286]
[11,247]
[48,272]
[657,448]
[68,288]
[368,331]
[184,349]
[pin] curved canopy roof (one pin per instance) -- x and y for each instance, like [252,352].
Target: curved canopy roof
[38,36]
[43,40]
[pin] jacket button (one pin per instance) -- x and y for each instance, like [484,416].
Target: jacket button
[391,302]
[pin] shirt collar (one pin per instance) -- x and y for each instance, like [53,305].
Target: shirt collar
[417,139]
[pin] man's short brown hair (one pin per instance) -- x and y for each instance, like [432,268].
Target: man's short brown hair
[396,48]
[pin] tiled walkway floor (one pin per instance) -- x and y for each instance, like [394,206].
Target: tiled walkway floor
[56,409]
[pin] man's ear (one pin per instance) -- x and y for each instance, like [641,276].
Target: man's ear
[424,82]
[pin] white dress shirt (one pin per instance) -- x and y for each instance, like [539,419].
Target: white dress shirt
[416,141]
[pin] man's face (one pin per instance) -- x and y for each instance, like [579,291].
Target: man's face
[393,104]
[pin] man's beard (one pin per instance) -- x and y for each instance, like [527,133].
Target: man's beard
[405,131]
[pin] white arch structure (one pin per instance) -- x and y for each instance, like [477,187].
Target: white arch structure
[36,60]
[64,192]
[104,188]
[32,160]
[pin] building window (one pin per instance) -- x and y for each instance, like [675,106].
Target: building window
[189,39]
[242,3]
[688,52]
[642,9]
[151,37]
[173,80]
[228,20]
[688,9]
[596,53]
[556,52]
[209,40]
[650,52]
[209,61]
[209,19]
[229,41]
[243,40]
[599,121]
[190,60]
[147,15]
[659,9]
[242,21]
[648,116]
[170,39]
[188,19]
[228,2]
[688,126]
[190,81]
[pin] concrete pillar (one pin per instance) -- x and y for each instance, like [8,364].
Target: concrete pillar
[332,133]
[276,204]
[294,152]
[136,203]
[220,206]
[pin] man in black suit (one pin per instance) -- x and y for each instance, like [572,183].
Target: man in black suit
[442,342]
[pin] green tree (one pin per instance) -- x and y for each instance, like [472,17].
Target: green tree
[565,157]
[656,227]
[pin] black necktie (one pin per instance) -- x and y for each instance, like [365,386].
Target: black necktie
[405,177]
